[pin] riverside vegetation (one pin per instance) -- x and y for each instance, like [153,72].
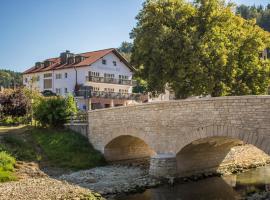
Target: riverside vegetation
[25,156]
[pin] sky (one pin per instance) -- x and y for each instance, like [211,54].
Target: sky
[34,30]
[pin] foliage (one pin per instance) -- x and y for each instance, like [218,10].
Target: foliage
[14,103]
[67,149]
[141,86]
[71,107]
[199,49]
[21,147]
[11,121]
[126,49]
[52,147]
[7,163]
[51,111]
[8,78]
[260,13]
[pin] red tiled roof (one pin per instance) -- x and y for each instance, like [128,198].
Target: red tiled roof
[90,58]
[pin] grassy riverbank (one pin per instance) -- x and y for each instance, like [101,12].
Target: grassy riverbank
[52,147]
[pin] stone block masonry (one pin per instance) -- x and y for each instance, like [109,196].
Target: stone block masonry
[168,127]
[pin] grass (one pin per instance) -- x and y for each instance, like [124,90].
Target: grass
[52,147]
[7,163]
[67,149]
[20,147]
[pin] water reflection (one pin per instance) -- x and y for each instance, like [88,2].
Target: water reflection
[225,188]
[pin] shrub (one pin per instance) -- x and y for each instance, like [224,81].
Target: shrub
[54,111]
[7,163]
[14,103]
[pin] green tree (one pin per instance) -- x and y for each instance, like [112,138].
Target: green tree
[71,107]
[126,50]
[199,49]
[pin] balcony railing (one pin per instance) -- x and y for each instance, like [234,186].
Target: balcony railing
[110,80]
[110,95]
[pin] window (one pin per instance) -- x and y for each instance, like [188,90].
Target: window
[104,62]
[58,91]
[114,63]
[48,75]
[123,77]
[108,75]
[38,78]
[66,90]
[109,89]
[122,91]
[66,75]
[47,83]
[25,80]
[58,76]
[95,88]
[96,74]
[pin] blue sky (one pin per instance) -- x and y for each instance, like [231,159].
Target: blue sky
[33,30]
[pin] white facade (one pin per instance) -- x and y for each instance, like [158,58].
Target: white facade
[64,80]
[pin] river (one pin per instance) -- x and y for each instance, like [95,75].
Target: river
[216,188]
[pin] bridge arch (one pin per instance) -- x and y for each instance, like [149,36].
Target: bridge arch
[261,141]
[127,147]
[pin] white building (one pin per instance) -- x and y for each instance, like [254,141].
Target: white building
[107,73]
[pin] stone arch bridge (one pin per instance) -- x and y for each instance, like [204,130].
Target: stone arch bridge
[161,130]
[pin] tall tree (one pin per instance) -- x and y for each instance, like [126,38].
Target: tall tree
[126,49]
[199,49]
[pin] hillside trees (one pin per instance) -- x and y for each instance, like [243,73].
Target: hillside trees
[260,13]
[199,49]
[9,78]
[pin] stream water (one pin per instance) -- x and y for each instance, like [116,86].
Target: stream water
[216,188]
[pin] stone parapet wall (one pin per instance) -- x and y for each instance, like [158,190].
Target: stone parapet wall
[79,128]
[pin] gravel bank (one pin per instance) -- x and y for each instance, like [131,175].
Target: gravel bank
[44,189]
[33,184]
[112,179]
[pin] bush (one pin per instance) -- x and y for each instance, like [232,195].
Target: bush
[7,163]
[9,120]
[54,111]
[14,103]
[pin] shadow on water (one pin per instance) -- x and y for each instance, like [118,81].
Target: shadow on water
[215,188]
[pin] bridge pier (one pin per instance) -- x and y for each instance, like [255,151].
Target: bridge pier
[163,165]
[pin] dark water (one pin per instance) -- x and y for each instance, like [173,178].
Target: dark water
[216,188]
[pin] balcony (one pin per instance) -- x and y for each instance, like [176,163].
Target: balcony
[110,80]
[108,95]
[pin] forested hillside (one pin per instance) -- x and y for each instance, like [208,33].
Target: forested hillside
[8,78]
[260,13]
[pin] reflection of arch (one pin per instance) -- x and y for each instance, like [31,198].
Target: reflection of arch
[127,147]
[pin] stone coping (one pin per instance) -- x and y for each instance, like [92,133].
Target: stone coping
[187,100]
